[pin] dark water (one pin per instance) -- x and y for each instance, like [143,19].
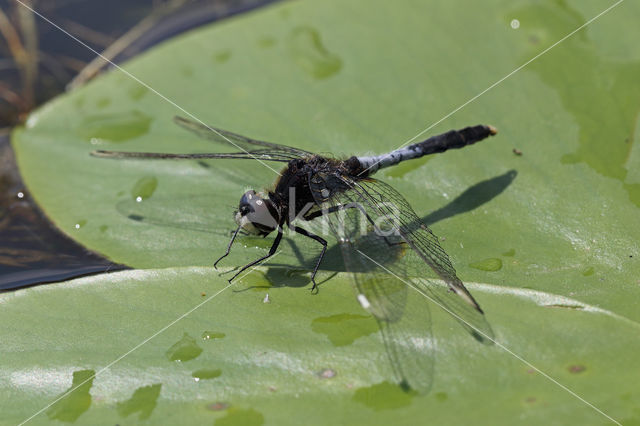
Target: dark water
[32,250]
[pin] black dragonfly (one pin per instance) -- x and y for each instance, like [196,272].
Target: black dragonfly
[383,242]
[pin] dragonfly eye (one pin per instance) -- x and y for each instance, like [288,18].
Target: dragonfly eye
[256,214]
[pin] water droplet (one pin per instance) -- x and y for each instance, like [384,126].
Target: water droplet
[206,373]
[137,92]
[266,42]
[491,265]
[211,335]
[144,188]
[311,55]
[79,102]
[74,401]
[515,24]
[441,396]
[384,396]
[588,272]
[222,56]
[184,349]
[241,416]
[103,102]
[117,127]
[344,329]
[143,401]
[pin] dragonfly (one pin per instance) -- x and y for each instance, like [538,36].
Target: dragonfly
[385,246]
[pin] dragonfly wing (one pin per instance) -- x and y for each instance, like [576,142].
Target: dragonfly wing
[453,297]
[404,323]
[396,217]
[259,154]
[229,138]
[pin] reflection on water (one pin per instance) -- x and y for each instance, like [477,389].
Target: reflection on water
[32,251]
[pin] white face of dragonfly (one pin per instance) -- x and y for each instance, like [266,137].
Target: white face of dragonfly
[256,215]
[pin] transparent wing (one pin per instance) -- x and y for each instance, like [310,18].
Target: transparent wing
[386,247]
[405,325]
[260,154]
[236,140]
[386,205]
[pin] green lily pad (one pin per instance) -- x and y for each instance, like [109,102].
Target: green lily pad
[345,78]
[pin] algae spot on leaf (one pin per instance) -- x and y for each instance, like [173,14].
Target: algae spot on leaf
[75,400]
[206,373]
[241,417]
[441,396]
[211,335]
[344,329]
[266,42]
[118,127]
[588,272]
[310,55]
[137,92]
[184,349]
[384,396]
[103,103]
[144,188]
[143,401]
[187,72]
[222,56]
[491,265]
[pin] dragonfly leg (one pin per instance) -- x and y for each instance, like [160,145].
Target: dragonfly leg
[233,237]
[322,241]
[334,209]
[272,251]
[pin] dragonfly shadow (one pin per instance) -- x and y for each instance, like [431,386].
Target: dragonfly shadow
[475,196]
[472,198]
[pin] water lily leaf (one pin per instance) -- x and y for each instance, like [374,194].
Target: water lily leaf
[544,216]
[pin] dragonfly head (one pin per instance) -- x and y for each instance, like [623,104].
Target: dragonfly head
[256,214]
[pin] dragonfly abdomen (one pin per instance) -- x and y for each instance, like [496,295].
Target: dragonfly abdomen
[452,139]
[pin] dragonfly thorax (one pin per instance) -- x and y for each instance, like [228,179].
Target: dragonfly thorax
[256,214]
